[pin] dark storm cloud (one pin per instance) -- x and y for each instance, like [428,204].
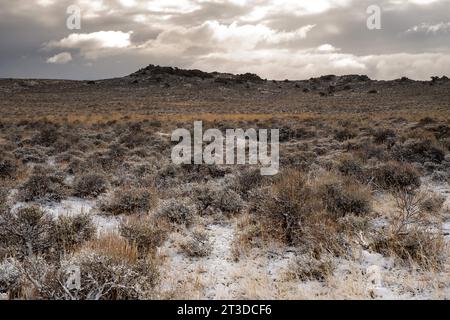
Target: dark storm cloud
[275,38]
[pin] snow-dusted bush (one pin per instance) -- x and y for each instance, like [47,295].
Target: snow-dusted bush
[44,184]
[8,166]
[108,278]
[419,150]
[213,198]
[293,211]
[33,154]
[414,247]
[288,206]
[345,196]
[73,231]
[349,166]
[11,277]
[397,177]
[130,200]
[309,268]
[146,234]
[26,232]
[177,211]
[410,235]
[343,134]
[90,185]
[197,244]
[432,203]
[383,135]
[102,277]
[47,135]
[248,180]
[3,199]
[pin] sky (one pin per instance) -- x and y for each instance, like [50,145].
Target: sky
[277,39]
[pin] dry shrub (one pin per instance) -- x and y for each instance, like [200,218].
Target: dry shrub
[43,184]
[432,203]
[11,278]
[288,133]
[291,204]
[90,185]
[215,199]
[384,135]
[247,236]
[395,176]
[130,200]
[412,211]
[420,247]
[135,139]
[350,166]
[114,246]
[344,134]
[72,231]
[106,278]
[30,154]
[248,180]
[300,212]
[324,234]
[309,268]
[411,236]
[197,244]
[441,176]
[102,277]
[8,166]
[26,232]
[419,150]
[47,135]
[3,199]
[145,233]
[366,150]
[342,197]
[181,212]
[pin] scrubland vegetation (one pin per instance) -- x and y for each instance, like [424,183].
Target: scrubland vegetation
[346,187]
[360,208]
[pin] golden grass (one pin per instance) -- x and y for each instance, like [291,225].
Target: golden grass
[95,118]
[113,245]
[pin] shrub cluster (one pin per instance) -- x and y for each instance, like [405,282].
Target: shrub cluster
[146,234]
[43,184]
[180,212]
[90,185]
[197,244]
[130,200]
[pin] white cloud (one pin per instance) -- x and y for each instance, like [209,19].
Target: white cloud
[294,7]
[101,39]
[416,2]
[45,3]
[172,6]
[223,37]
[60,58]
[94,45]
[276,38]
[430,28]
[327,48]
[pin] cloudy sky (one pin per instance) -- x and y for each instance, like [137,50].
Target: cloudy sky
[277,39]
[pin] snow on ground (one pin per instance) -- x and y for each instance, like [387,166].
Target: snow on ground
[215,270]
[261,274]
[444,190]
[74,206]
[219,276]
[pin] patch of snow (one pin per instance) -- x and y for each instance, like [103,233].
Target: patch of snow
[75,206]
[69,207]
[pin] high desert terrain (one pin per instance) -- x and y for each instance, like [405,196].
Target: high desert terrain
[359,209]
